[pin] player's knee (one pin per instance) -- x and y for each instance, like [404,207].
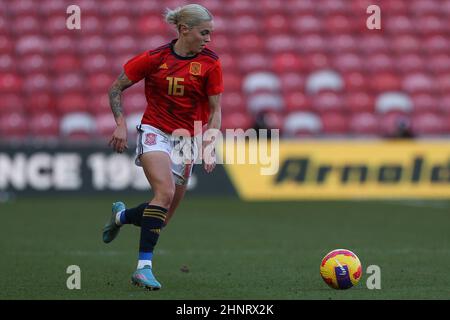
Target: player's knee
[165,196]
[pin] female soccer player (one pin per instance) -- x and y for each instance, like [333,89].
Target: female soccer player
[183,84]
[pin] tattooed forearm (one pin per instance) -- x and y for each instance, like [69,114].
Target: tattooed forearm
[115,94]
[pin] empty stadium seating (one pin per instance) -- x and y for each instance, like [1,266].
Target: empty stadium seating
[310,68]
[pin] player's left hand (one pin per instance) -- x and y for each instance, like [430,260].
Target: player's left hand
[209,159]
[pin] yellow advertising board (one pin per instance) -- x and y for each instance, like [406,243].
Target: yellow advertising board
[347,170]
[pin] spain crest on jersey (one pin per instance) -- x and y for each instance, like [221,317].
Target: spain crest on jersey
[195,68]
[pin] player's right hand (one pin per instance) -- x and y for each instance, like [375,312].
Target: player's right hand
[119,139]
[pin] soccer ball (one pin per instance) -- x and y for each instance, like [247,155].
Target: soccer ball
[341,269]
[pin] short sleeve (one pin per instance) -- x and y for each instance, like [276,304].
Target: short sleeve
[137,68]
[214,84]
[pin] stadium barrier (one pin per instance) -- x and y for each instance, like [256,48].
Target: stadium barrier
[88,170]
[348,170]
[307,170]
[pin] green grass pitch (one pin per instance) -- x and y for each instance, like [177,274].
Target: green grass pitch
[222,248]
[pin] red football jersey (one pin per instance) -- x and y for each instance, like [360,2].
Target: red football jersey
[176,87]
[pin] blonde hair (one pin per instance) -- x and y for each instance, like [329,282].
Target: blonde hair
[190,15]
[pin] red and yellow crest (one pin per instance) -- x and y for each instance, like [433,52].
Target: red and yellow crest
[195,68]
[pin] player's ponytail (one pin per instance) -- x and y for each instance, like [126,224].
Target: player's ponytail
[190,15]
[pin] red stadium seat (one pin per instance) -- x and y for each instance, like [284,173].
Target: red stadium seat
[312,43]
[348,62]
[418,82]
[342,43]
[56,25]
[385,81]
[408,63]
[97,63]
[124,44]
[437,44]
[64,63]
[443,83]
[62,44]
[117,7]
[297,8]
[431,24]
[439,63]
[233,101]
[10,83]
[145,8]
[99,103]
[338,24]
[276,24]
[25,25]
[365,123]
[7,64]
[92,44]
[249,43]
[32,44]
[13,126]
[235,7]
[360,102]
[119,25]
[246,23]
[332,7]
[4,25]
[222,43]
[287,62]
[33,63]
[100,82]
[429,124]
[326,101]
[152,24]
[10,103]
[40,102]
[72,102]
[90,8]
[297,101]
[399,24]
[424,102]
[334,123]
[134,102]
[253,62]
[316,61]
[237,120]
[373,43]
[232,82]
[93,25]
[50,7]
[230,62]
[444,103]
[105,124]
[6,45]
[356,81]
[22,7]
[273,7]
[307,24]
[405,44]
[379,62]
[280,43]
[44,125]
[425,7]
[70,82]
[292,82]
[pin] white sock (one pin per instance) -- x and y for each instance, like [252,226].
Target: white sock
[118,214]
[143,263]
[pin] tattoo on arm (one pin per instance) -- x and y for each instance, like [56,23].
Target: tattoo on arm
[115,93]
